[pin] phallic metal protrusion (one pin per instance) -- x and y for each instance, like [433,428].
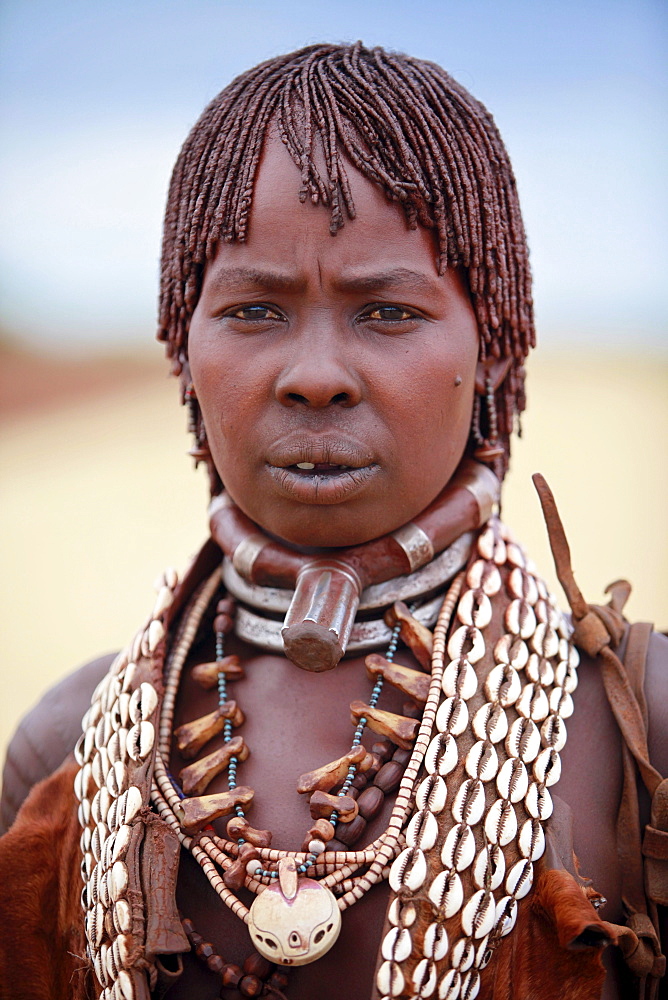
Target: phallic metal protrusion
[195,778]
[321,615]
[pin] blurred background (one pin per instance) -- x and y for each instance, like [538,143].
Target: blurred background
[95,99]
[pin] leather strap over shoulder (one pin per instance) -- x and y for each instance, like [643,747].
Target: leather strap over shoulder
[644,870]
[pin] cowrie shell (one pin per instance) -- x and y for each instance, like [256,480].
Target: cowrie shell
[531,840]
[483,953]
[111,693]
[84,839]
[104,890]
[469,802]
[432,794]
[452,716]
[441,756]
[553,732]
[122,916]
[397,944]
[539,670]
[565,676]
[478,914]
[463,954]
[573,658]
[408,869]
[489,867]
[446,893]
[143,702]
[154,635]
[100,966]
[533,703]
[511,649]
[128,676]
[547,767]
[520,878]
[514,554]
[435,944]
[424,978]
[512,780]
[503,685]
[88,744]
[133,804]
[449,986]
[119,880]
[523,740]
[491,547]
[466,641]
[522,586]
[482,761]
[475,608]
[545,640]
[126,986]
[117,779]
[402,913]
[484,576]
[506,915]
[459,678]
[79,749]
[561,702]
[422,831]
[520,618]
[162,601]
[124,708]
[116,747]
[121,843]
[390,979]
[490,723]
[94,883]
[103,731]
[458,848]
[140,740]
[501,822]
[548,614]
[538,801]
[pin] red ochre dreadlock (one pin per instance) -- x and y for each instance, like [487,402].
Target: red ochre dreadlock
[406,125]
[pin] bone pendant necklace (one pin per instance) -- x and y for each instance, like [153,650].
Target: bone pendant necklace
[296,920]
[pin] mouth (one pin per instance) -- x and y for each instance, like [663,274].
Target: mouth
[321,472]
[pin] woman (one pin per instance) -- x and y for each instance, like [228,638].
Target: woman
[346,301]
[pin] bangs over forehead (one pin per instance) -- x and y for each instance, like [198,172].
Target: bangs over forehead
[404,124]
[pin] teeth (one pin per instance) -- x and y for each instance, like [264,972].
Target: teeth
[305,465]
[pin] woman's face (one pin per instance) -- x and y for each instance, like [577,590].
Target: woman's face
[335,374]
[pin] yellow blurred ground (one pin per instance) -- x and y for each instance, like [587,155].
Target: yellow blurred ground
[98,497]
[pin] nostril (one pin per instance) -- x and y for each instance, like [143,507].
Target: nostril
[341,397]
[294,397]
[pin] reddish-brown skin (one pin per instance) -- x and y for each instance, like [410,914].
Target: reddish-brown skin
[322,375]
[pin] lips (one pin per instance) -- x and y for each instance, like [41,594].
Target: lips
[321,470]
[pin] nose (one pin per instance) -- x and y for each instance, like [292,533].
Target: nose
[318,373]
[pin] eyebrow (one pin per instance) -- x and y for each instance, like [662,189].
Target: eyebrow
[256,278]
[397,277]
[264,278]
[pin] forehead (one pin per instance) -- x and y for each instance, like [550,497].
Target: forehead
[284,228]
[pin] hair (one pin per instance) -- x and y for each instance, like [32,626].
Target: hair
[406,125]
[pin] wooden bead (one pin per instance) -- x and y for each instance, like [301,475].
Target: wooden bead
[277,980]
[195,778]
[256,965]
[412,710]
[188,926]
[231,975]
[226,606]
[223,623]
[383,749]
[349,833]
[216,964]
[397,728]
[204,950]
[417,637]
[353,792]
[251,986]
[360,781]
[330,775]
[413,683]
[389,777]
[402,756]
[322,829]
[206,674]
[322,805]
[370,802]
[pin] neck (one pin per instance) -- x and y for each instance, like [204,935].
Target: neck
[327,588]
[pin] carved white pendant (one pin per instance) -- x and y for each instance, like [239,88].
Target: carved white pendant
[294,921]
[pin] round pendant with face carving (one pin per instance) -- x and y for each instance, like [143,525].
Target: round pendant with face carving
[294,921]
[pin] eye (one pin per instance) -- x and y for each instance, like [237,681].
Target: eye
[256,312]
[387,314]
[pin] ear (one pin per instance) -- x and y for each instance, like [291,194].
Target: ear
[494,369]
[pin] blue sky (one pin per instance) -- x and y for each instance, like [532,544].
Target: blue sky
[96,97]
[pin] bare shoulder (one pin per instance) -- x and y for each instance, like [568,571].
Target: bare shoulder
[46,735]
[656,693]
